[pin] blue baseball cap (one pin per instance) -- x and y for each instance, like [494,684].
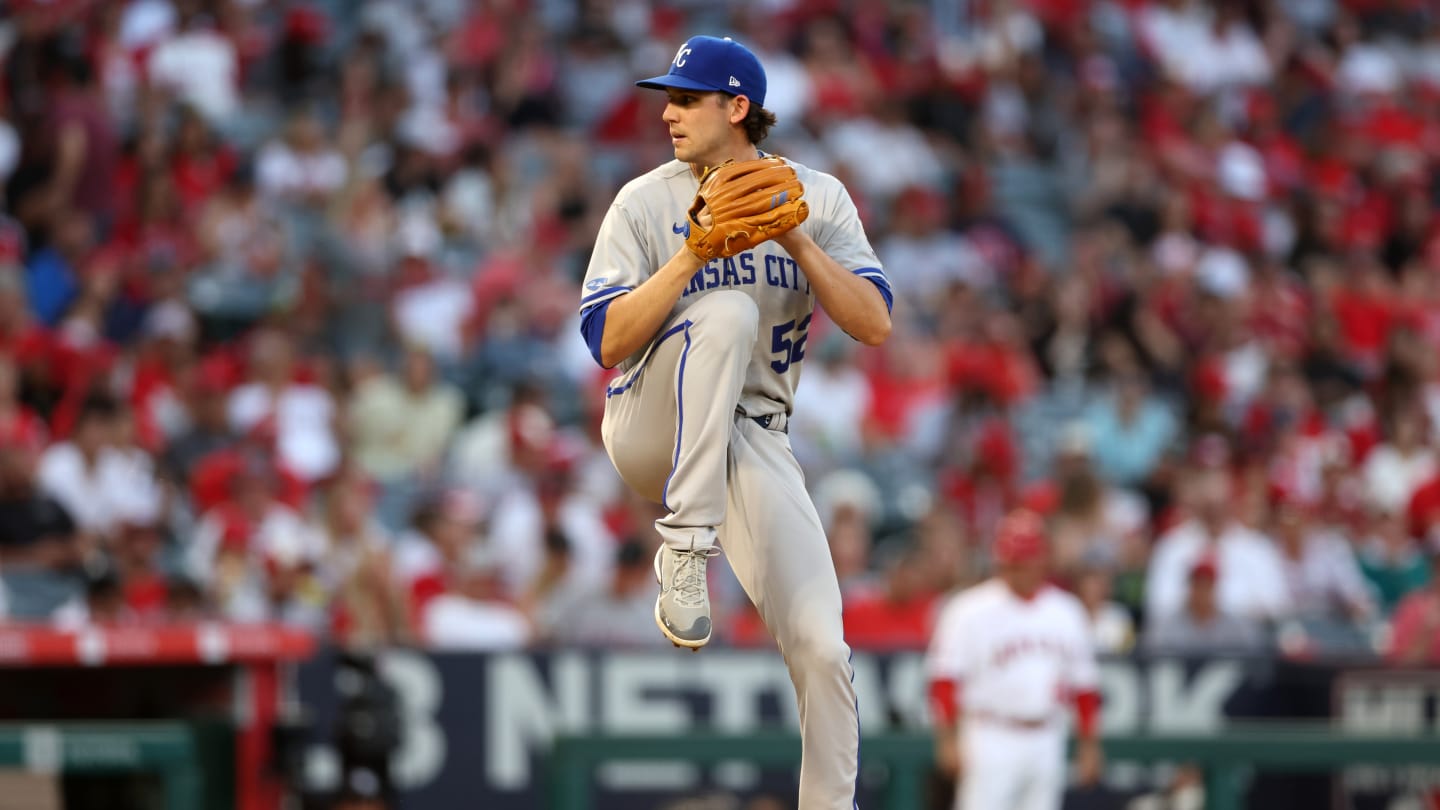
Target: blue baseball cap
[711,63]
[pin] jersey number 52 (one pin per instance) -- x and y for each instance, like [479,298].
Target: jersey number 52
[790,351]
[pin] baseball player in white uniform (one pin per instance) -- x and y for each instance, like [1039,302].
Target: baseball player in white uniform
[1009,659]
[709,355]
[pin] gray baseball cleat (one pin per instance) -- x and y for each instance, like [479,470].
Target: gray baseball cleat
[682,610]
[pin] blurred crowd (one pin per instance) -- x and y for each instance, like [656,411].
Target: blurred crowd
[288,324]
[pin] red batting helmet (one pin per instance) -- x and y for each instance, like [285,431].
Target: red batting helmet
[1020,537]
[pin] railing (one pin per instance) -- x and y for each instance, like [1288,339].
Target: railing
[1228,756]
[168,749]
[255,656]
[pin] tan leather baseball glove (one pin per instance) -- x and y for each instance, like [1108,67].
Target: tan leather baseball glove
[741,204]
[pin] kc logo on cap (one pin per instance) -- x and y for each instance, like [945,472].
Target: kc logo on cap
[712,63]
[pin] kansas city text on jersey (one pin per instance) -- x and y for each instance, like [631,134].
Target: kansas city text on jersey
[740,269]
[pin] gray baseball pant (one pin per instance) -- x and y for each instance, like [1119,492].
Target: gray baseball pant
[673,431]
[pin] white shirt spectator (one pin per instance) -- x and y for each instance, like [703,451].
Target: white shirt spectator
[1251,582]
[400,23]
[468,200]
[145,22]
[430,130]
[597,480]
[433,315]
[303,414]
[909,160]
[424,72]
[573,356]
[1368,68]
[830,403]
[1008,34]
[1391,477]
[1193,52]
[119,487]
[788,89]
[934,261]
[479,457]
[203,70]
[280,534]
[281,171]
[1244,368]
[1111,629]
[1325,580]
[454,622]
[517,535]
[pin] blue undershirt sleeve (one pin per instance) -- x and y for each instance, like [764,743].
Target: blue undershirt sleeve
[592,326]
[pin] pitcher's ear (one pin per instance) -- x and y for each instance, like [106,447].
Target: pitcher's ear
[739,108]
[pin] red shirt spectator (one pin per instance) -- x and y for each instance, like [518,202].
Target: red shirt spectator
[1415,632]
[908,380]
[999,366]
[214,477]
[200,166]
[19,426]
[1364,310]
[1424,509]
[884,623]
[1280,312]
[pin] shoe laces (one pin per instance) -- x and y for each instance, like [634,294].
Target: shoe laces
[689,583]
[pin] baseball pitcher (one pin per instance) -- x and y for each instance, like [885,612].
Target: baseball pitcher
[1009,657]
[701,289]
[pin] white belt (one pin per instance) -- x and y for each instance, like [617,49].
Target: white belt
[1026,723]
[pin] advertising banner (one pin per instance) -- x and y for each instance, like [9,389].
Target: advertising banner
[473,730]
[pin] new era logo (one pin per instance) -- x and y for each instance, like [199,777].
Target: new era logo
[734,82]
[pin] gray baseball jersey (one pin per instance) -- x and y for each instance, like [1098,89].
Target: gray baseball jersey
[646,225]
[696,422]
